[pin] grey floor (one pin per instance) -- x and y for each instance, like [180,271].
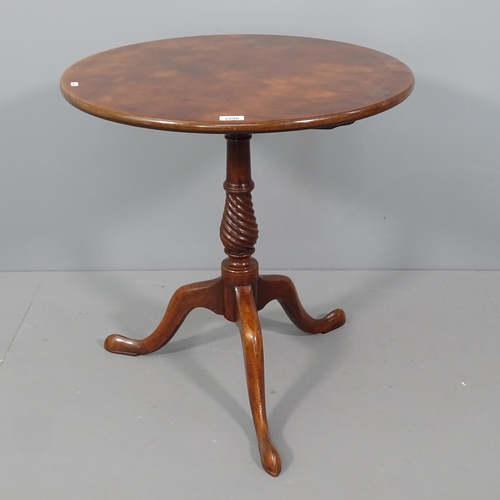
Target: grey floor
[403,402]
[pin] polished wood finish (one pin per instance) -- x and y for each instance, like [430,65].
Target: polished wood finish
[237,295]
[272,83]
[253,349]
[277,83]
[206,294]
[282,289]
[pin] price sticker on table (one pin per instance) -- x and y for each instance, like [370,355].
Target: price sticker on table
[234,118]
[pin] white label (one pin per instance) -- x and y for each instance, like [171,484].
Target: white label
[231,118]
[74,84]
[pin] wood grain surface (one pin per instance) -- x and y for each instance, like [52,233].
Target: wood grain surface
[277,83]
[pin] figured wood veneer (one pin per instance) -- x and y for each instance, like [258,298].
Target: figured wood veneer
[277,83]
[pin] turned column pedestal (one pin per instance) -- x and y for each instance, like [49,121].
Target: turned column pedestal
[237,295]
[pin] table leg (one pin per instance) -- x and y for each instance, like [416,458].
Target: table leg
[282,289]
[206,294]
[253,351]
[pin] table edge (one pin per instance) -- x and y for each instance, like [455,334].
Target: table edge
[321,121]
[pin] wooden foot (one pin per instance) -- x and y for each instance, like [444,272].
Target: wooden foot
[251,337]
[206,294]
[282,289]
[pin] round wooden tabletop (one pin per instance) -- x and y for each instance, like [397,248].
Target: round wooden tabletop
[237,83]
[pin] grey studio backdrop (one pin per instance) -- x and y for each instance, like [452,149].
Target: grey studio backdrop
[417,187]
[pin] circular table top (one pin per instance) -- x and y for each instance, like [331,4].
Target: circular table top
[237,83]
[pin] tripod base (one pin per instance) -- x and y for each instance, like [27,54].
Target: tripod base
[238,303]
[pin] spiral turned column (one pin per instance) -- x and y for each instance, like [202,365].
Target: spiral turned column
[239,230]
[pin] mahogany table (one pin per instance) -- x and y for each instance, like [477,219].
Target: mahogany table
[237,85]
